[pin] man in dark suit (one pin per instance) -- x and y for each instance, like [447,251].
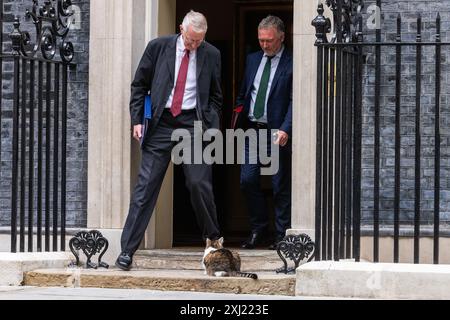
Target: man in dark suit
[182,73]
[266,98]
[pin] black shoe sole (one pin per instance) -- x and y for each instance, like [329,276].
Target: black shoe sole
[122,267]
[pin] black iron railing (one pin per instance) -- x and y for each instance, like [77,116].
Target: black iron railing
[37,145]
[340,73]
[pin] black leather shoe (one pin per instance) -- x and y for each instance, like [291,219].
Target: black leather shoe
[124,261]
[254,240]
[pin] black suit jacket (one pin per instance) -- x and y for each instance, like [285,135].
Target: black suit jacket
[156,72]
[279,103]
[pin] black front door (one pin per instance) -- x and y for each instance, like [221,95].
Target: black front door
[232,28]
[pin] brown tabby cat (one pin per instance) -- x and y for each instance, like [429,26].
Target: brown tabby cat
[220,262]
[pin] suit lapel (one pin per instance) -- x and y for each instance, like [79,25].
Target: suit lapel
[200,59]
[170,54]
[280,69]
[254,71]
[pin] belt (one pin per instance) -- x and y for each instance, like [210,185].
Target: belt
[182,111]
[257,125]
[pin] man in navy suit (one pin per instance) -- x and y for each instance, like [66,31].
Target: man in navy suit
[266,98]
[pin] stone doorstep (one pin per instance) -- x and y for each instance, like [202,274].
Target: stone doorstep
[373,280]
[268,283]
[13,265]
[190,259]
[175,269]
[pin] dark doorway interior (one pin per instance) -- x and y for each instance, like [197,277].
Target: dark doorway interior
[232,28]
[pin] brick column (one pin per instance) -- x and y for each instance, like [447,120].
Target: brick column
[115,44]
[117,41]
[304,119]
[120,31]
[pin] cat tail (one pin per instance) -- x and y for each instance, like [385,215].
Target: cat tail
[245,274]
[236,274]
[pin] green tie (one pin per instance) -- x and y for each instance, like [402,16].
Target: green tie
[258,110]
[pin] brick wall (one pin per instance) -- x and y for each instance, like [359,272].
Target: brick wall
[408,11]
[77,124]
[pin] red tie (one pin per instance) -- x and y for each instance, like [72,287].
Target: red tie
[178,95]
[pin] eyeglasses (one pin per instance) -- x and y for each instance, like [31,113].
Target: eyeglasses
[190,40]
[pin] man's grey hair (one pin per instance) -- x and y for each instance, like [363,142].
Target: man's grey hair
[272,22]
[196,20]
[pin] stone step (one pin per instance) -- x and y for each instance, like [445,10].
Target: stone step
[374,280]
[190,259]
[268,283]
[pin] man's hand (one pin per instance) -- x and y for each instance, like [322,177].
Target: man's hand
[137,132]
[282,138]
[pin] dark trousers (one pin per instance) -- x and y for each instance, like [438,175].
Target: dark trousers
[281,184]
[156,155]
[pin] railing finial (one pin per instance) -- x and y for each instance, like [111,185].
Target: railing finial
[50,25]
[16,35]
[322,25]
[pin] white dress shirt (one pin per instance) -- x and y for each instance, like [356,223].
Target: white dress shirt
[273,68]
[190,91]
